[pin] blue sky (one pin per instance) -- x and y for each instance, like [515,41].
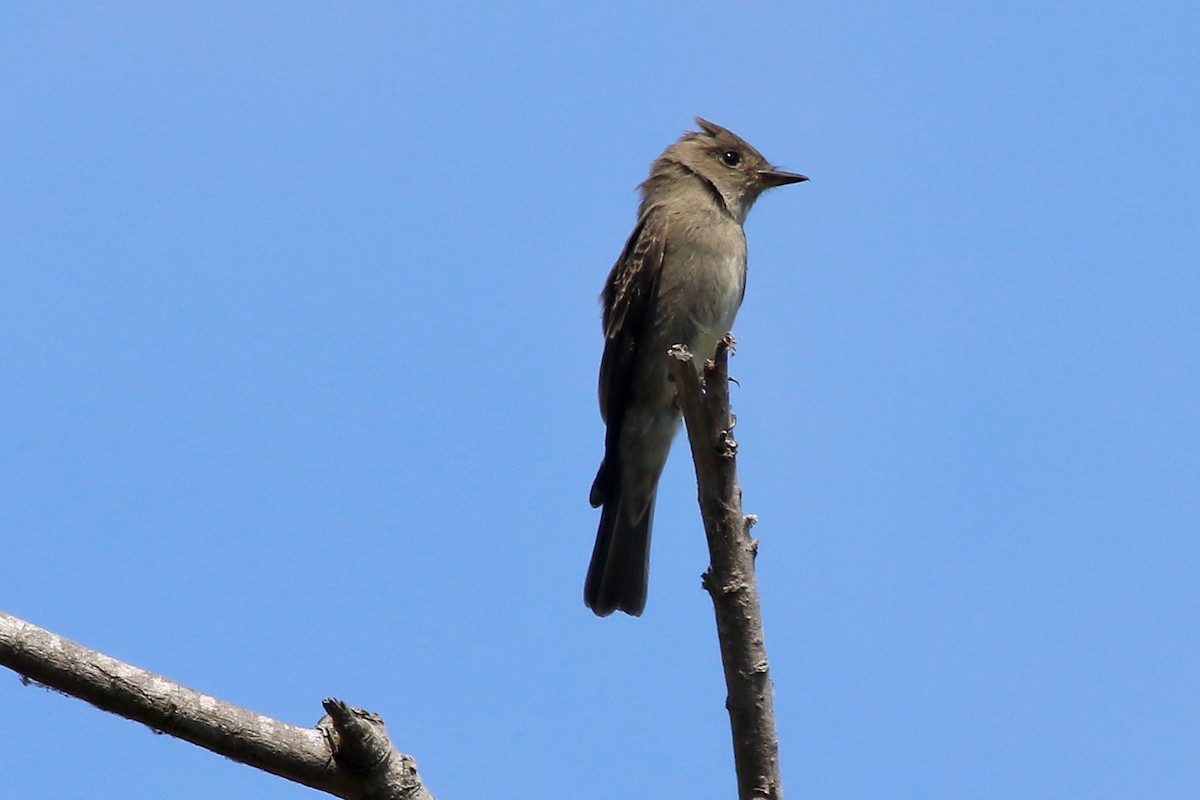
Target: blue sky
[300,333]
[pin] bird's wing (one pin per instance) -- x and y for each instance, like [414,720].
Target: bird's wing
[629,305]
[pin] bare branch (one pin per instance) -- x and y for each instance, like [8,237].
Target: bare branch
[730,577]
[347,755]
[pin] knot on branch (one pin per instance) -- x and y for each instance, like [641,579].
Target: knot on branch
[727,449]
[357,738]
[764,793]
[715,587]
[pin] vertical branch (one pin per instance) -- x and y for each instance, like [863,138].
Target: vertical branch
[729,579]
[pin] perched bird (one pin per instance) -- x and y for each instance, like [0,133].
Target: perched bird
[679,280]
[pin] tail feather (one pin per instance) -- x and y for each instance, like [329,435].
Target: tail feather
[602,487]
[617,575]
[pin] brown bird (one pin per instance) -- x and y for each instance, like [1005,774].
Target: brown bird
[679,280]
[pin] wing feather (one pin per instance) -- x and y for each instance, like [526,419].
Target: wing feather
[629,304]
[629,299]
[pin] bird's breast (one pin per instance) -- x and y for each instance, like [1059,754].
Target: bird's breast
[703,281]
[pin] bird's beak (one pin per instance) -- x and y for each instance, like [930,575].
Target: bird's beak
[777,177]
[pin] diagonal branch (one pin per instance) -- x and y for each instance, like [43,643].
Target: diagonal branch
[347,755]
[730,577]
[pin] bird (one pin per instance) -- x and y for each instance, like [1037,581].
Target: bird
[679,279]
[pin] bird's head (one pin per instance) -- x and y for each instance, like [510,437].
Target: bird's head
[735,171]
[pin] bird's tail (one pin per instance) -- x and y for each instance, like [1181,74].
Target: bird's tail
[617,576]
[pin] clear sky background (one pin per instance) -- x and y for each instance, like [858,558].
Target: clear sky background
[298,347]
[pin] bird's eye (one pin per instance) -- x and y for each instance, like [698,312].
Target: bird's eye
[731,157]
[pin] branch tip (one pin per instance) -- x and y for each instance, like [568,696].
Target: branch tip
[679,352]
